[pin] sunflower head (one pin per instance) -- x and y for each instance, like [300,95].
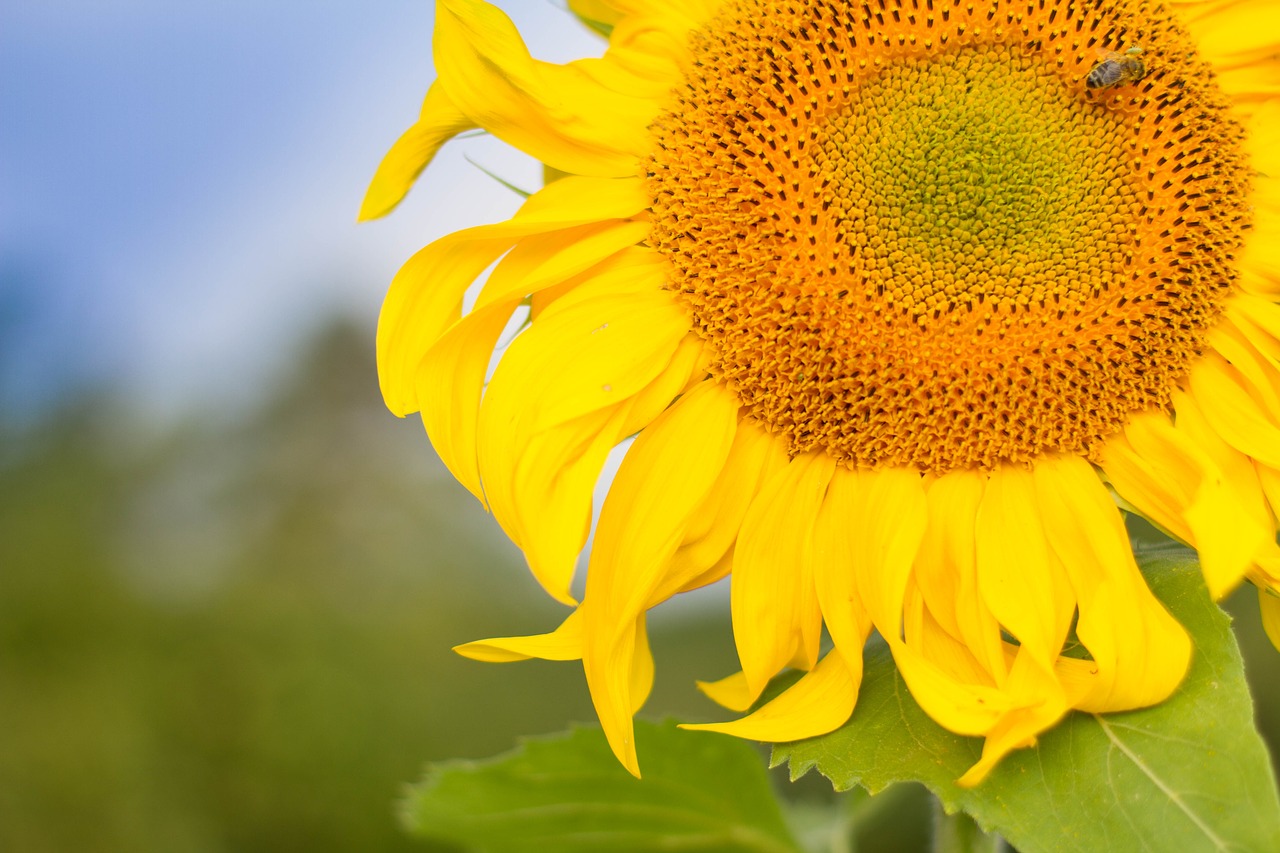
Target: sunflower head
[960,251]
[899,298]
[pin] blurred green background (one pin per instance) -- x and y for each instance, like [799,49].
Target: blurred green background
[233,635]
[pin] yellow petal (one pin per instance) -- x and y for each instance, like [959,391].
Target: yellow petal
[715,572]
[714,527]
[598,345]
[1040,704]
[609,663]
[452,373]
[1140,652]
[1258,320]
[584,253]
[956,691]
[648,41]
[664,477]
[1260,255]
[925,635]
[439,121]
[1269,604]
[641,667]
[1134,462]
[679,377]
[645,59]
[558,113]
[425,297]
[731,692]
[562,398]
[684,13]
[937,573]
[1261,142]
[564,643]
[964,707]
[1163,473]
[595,347]
[1233,339]
[1222,27]
[1239,37]
[1025,590]
[946,568]
[819,702]
[1244,514]
[540,491]
[1234,413]
[776,619]
[887,530]
[653,49]
[835,554]
[553,483]
[1269,480]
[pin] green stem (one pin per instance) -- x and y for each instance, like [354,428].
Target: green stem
[859,809]
[959,833]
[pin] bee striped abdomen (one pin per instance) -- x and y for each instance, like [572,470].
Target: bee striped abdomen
[1116,69]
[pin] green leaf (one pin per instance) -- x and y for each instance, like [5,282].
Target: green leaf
[1190,774]
[701,793]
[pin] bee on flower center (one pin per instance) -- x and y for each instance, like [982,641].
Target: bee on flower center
[1116,69]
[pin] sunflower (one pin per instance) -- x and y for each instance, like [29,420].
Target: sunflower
[905,303]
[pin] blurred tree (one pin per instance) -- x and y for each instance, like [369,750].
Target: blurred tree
[235,636]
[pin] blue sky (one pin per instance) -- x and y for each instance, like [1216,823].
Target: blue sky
[179,181]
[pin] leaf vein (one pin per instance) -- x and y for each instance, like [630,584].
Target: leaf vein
[1173,795]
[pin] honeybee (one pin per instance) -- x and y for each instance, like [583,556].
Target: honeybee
[1116,69]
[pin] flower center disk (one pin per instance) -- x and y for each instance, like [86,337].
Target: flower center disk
[914,234]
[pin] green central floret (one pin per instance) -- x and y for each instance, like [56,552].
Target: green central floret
[972,176]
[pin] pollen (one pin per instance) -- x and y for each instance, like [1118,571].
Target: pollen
[913,235]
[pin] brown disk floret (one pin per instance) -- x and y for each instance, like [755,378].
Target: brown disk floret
[914,236]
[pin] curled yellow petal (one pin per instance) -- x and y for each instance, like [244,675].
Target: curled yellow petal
[641,667]
[1040,703]
[714,528]
[451,376]
[665,475]
[1170,479]
[425,297]
[819,702]
[439,121]
[1140,652]
[730,692]
[962,706]
[558,113]
[564,643]
[565,393]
